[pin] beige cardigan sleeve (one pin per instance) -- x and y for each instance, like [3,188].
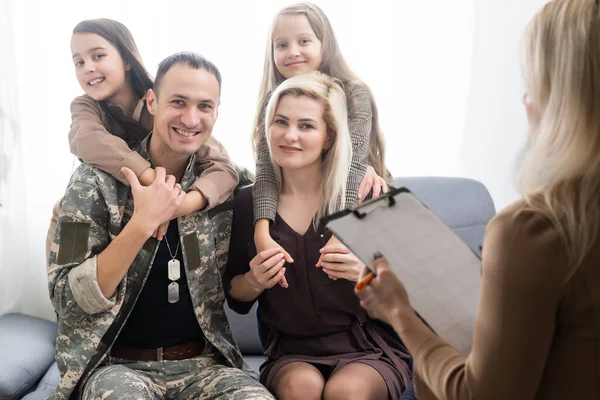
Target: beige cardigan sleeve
[523,268]
[218,177]
[90,140]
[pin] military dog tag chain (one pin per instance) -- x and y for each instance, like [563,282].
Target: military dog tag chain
[174,273]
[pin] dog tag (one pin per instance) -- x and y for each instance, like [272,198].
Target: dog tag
[174,269]
[173,292]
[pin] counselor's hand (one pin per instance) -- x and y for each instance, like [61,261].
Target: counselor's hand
[385,297]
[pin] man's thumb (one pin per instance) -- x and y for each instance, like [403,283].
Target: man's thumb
[131,178]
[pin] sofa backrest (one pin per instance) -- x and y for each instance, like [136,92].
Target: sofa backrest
[463,204]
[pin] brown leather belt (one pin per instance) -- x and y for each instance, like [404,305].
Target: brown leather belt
[179,352]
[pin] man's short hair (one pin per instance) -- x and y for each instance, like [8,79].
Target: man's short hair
[192,60]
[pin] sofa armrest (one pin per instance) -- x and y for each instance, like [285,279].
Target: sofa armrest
[26,352]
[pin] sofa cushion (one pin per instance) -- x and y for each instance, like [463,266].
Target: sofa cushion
[255,361]
[245,331]
[47,384]
[26,352]
[39,395]
[463,204]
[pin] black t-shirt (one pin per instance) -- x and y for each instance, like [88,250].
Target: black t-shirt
[154,322]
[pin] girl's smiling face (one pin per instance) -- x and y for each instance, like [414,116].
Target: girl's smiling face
[99,67]
[296,48]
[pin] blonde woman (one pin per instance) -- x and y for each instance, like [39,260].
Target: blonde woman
[321,343]
[538,331]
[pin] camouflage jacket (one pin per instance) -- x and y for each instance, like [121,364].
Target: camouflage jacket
[95,208]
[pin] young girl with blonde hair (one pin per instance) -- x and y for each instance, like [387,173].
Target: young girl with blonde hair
[302,40]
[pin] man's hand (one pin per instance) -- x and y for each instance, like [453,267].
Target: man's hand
[154,204]
[161,231]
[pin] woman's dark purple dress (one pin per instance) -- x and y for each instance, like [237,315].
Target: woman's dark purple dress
[316,319]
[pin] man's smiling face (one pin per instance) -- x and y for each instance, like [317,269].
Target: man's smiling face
[184,109]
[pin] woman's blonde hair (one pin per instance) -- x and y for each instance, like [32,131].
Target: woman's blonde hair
[332,64]
[560,171]
[335,162]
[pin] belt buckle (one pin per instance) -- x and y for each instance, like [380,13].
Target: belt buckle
[159,354]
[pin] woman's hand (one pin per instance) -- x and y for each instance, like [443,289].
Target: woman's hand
[385,297]
[338,262]
[371,181]
[263,241]
[266,269]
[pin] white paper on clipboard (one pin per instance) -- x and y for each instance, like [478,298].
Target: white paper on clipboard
[440,272]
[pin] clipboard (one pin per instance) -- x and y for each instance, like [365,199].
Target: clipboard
[440,272]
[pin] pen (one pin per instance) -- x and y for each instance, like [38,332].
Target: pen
[367,279]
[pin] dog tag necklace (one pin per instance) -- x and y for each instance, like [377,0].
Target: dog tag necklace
[174,274]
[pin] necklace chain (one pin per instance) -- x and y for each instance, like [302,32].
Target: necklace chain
[169,248]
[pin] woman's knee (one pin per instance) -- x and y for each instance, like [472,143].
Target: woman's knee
[355,382]
[298,382]
[348,390]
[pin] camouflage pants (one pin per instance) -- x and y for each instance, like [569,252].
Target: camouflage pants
[201,377]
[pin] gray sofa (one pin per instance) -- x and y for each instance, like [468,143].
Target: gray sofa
[27,367]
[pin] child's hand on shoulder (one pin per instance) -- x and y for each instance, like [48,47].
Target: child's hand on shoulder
[371,183]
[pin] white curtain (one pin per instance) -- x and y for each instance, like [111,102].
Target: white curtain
[415,56]
[496,124]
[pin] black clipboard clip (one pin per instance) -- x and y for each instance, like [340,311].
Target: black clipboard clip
[362,210]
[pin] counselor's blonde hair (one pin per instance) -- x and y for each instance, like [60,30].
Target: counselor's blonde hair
[335,162]
[332,64]
[560,172]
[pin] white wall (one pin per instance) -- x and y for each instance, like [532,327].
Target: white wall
[22,288]
[496,125]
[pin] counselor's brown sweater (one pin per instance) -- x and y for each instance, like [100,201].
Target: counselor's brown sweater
[537,334]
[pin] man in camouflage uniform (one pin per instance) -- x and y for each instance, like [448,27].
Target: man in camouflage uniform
[131,325]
